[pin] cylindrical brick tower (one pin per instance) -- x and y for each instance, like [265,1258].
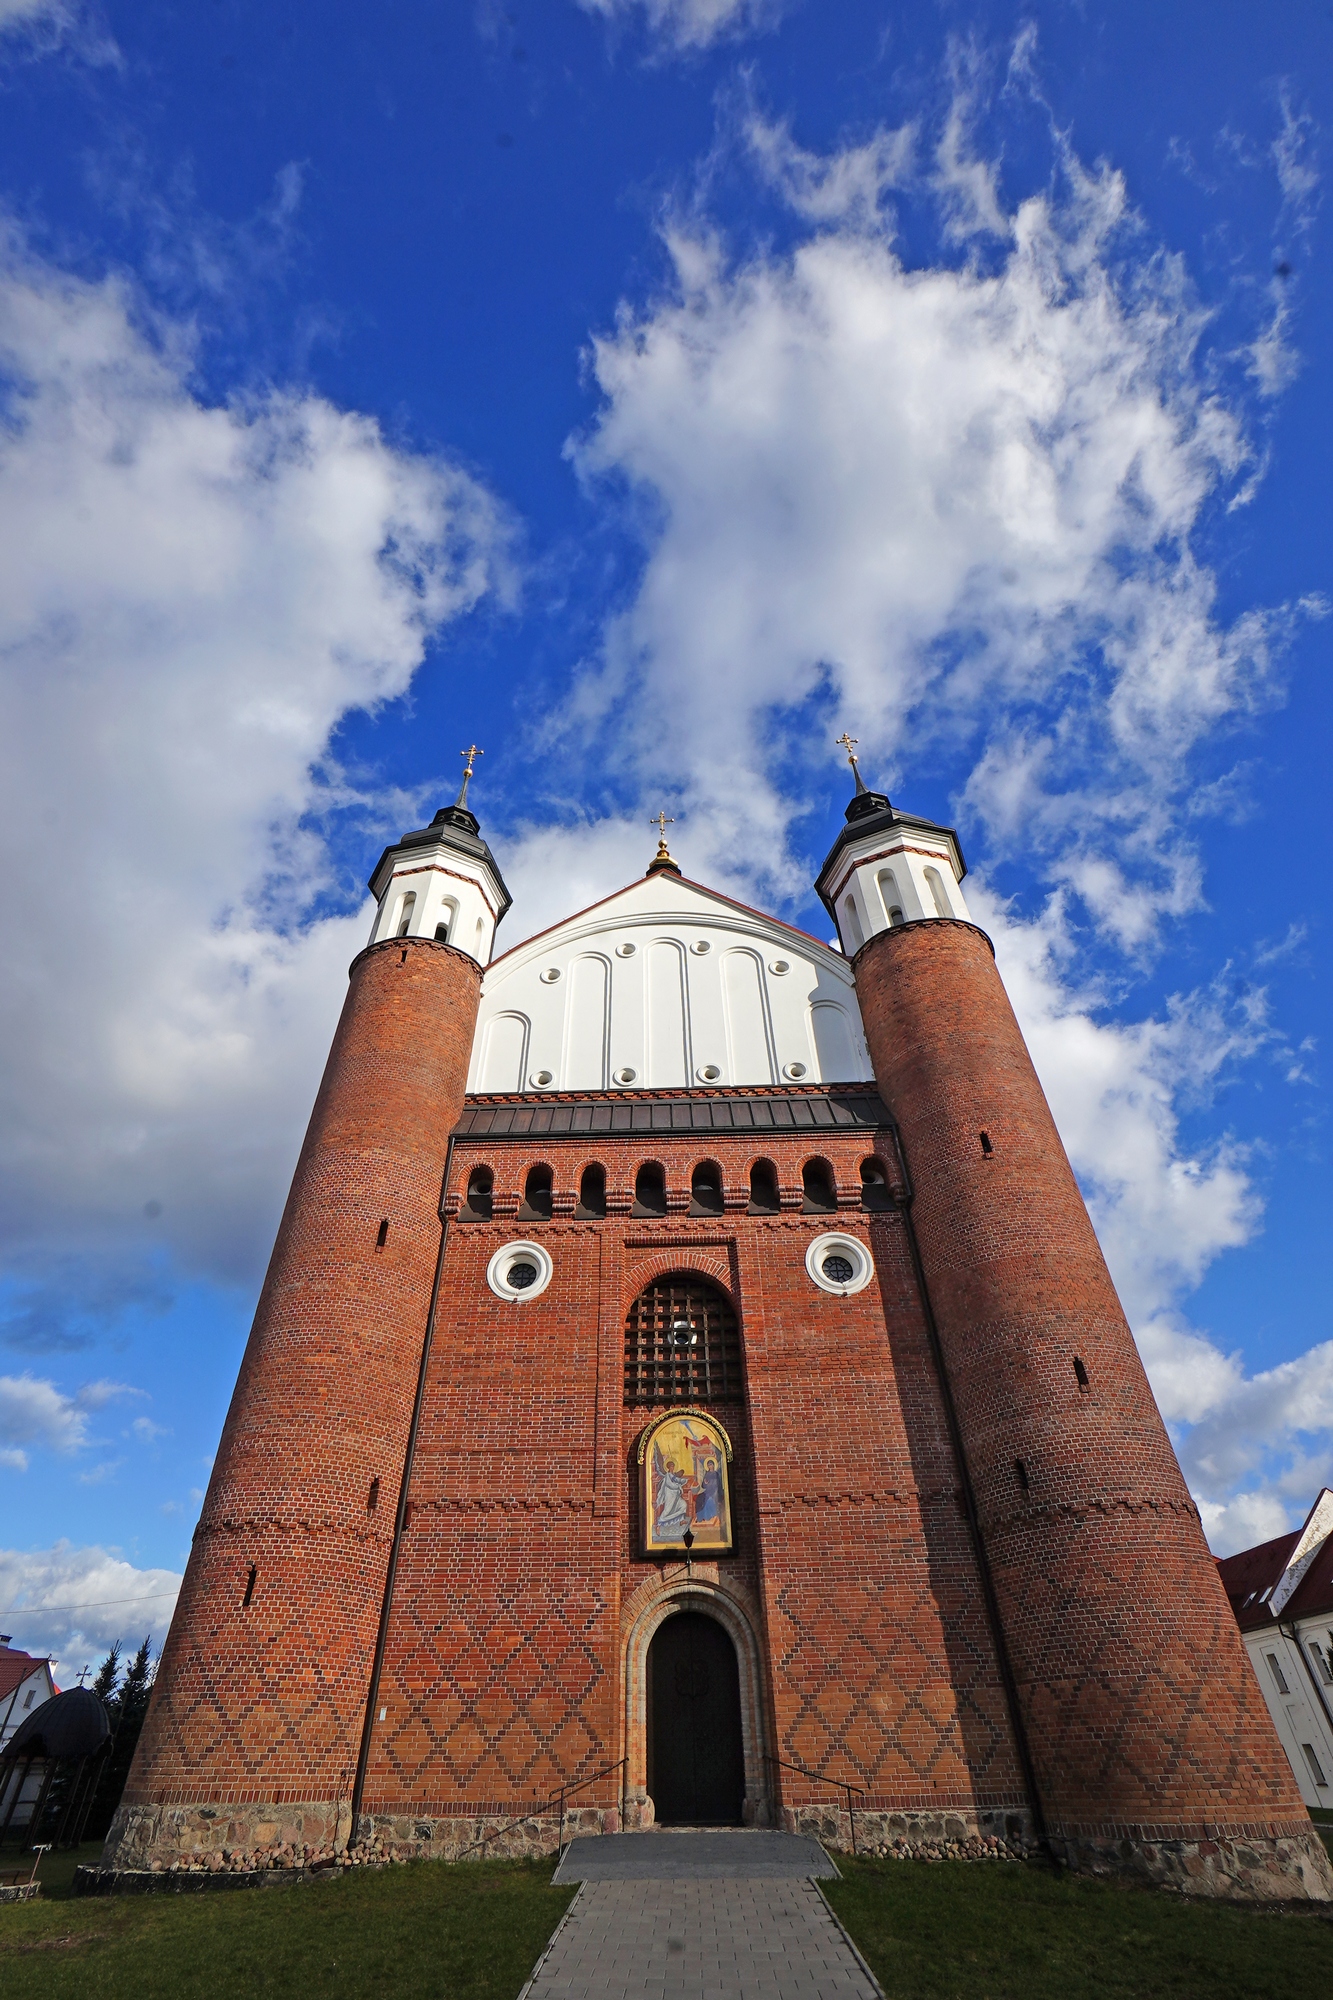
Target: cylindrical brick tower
[260,1698]
[1149,1741]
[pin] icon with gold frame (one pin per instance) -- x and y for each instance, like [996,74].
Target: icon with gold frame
[685,1486]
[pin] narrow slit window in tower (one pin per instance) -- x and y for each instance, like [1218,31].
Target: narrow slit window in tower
[986,1145]
[682,1343]
[764,1188]
[650,1189]
[1021,1474]
[382,1233]
[821,1195]
[249,1587]
[592,1194]
[887,883]
[706,1189]
[1080,1370]
[373,1496]
[852,924]
[935,884]
[405,909]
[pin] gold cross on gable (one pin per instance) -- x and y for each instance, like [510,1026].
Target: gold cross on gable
[661,822]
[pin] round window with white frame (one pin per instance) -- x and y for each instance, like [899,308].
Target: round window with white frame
[519,1271]
[838,1263]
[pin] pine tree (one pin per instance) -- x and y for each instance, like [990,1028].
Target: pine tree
[127,1714]
[104,1687]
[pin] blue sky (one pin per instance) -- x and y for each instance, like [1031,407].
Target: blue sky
[648,390]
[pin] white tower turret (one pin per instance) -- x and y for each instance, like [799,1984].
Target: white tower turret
[442,882]
[888,868]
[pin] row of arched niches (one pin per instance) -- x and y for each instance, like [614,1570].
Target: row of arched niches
[707,1190]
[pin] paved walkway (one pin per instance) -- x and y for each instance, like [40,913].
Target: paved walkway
[741,1920]
[668,1856]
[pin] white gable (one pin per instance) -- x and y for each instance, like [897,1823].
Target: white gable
[665,985]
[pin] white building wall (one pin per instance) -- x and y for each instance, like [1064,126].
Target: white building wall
[1302,1725]
[688,989]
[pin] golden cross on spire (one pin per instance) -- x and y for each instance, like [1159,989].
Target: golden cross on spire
[849,744]
[662,859]
[469,756]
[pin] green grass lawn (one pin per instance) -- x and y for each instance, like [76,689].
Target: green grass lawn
[423,1932]
[954,1931]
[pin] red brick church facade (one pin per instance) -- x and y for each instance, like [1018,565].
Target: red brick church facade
[966,1577]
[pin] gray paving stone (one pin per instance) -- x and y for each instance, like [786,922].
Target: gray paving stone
[664,1938]
[683,1857]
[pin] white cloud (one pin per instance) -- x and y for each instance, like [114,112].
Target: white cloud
[76,1602]
[686,25]
[942,504]
[39,27]
[191,597]
[34,1412]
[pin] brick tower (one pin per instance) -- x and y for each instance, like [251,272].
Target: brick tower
[261,1693]
[626,1437]
[1146,1737]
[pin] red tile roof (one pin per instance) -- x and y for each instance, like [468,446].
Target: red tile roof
[1251,1577]
[15,1668]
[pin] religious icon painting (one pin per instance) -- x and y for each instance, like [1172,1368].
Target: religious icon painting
[685,1461]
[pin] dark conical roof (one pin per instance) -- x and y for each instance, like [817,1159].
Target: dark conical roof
[73,1724]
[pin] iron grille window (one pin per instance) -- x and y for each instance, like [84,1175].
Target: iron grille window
[682,1345]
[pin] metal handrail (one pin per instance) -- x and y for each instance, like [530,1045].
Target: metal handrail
[565,1792]
[820,1778]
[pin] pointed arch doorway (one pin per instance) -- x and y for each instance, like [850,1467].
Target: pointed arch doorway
[696,1757]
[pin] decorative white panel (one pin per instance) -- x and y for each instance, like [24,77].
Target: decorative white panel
[750,1058]
[504,1045]
[587,1023]
[667,984]
[668,1045]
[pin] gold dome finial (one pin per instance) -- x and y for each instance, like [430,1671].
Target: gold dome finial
[661,862]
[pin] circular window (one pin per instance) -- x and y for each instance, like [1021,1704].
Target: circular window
[626,1075]
[626,950]
[795,1071]
[519,1271]
[709,1073]
[701,945]
[551,974]
[838,1263]
[541,1079]
[779,965]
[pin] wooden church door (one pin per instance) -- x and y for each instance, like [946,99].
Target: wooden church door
[696,1763]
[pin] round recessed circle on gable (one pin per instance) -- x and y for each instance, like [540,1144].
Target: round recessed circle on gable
[838,1263]
[541,1079]
[626,1075]
[708,1073]
[701,945]
[549,977]
[626,950]
[519,1271]
[779,965]
[794,1070]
